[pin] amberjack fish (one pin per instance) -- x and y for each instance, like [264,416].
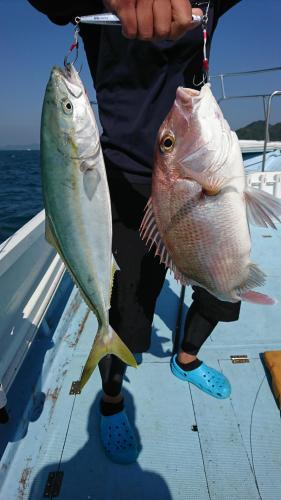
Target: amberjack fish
[77,203]
[200,208]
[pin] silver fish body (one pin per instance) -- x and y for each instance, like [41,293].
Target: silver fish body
[199,211]
[77,202]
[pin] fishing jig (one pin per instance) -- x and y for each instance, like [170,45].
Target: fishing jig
[205,62]
[109,19]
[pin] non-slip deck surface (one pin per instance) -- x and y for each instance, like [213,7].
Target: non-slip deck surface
[235,454]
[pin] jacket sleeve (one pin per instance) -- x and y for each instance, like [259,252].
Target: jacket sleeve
[65,11]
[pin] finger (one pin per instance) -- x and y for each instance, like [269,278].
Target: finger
[162,19]
[194,24]
[145,19]
[110,5]
[197,12]
[181,18]
[128,17]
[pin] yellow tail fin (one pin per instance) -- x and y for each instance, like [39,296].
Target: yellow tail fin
[101,347]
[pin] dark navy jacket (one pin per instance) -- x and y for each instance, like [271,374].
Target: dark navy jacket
[135,81]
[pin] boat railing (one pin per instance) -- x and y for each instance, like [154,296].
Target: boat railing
[30,273]
[266,138]
[266,98]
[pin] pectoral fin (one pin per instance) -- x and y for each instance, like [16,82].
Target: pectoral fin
[211,184]
[262,208]
[91,179]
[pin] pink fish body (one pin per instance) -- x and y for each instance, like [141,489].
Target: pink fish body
[199,212]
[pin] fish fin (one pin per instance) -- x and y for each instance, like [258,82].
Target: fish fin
[211,184]
[114,268]
[106,344]
[50,236]
[214,185]
[91,179]
[262,208]
[256,278]
[257,298]
[179,276]
[150,234]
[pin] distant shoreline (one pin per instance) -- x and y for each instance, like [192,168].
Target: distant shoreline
[253,131]
[17,147]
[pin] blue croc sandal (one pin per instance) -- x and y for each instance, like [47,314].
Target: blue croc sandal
[118,438]
[205,378]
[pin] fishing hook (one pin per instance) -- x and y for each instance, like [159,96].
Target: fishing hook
[204,80]
[74,45]
[205,64]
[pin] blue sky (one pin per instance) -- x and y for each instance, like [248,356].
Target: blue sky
[248,37]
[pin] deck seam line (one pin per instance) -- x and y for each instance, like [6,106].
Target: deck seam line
[201,449]
[251,425]
[66,434]
[250,459]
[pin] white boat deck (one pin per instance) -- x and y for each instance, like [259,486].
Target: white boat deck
[233,455]
[254,147]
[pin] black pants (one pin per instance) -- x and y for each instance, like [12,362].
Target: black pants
[141,277]
[139,282]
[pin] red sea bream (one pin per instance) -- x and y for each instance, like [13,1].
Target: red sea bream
[199,212]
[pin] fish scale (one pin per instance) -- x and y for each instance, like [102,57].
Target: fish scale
[77,204]
[199,212]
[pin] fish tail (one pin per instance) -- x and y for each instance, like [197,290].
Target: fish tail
[106,342]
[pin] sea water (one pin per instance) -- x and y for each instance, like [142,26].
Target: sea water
[20,190]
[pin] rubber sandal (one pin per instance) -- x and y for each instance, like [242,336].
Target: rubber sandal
[118,439]
[205,378]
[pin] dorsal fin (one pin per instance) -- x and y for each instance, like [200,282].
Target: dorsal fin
[150,234]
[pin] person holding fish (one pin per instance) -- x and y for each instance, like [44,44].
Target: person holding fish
[137,70]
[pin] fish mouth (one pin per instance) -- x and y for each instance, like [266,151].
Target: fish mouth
[68,78]
[186,96]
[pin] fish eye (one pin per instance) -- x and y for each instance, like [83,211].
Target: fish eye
[67,106]
[167,143]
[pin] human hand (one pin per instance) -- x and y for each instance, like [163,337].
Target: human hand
[154,19]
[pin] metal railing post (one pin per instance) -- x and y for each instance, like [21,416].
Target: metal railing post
[222,86]
[266,134]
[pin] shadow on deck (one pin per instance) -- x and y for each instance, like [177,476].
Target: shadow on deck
[192,446]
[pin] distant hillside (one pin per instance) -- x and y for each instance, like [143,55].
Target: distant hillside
[255,131]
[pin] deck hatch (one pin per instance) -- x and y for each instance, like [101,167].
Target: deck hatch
[239,358]
[75,387]
[53,484]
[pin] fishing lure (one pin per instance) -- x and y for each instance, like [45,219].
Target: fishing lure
[109,19]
